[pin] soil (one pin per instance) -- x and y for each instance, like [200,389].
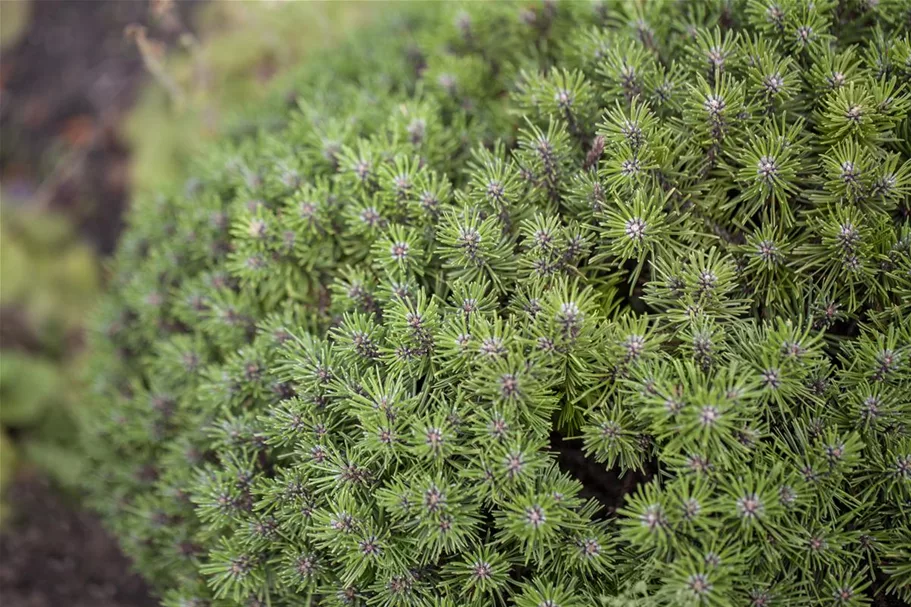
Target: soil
[53,554]
[66,86]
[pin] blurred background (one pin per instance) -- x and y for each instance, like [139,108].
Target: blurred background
[101,100]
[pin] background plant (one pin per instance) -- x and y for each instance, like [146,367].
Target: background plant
[49,278]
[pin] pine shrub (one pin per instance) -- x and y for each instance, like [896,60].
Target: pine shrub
[493,266]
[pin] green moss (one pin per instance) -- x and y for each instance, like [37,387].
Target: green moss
[394,343]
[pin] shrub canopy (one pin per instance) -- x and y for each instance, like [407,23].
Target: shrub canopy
[341,365]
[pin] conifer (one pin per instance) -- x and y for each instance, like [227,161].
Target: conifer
[340,368]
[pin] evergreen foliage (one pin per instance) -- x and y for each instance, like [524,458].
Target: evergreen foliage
[333,365]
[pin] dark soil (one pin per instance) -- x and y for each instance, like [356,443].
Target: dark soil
[54,555]
[66,86]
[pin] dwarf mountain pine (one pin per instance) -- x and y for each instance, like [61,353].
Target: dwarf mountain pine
[339,367]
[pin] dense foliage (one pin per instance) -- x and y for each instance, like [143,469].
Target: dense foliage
[335,363]
[49,278]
